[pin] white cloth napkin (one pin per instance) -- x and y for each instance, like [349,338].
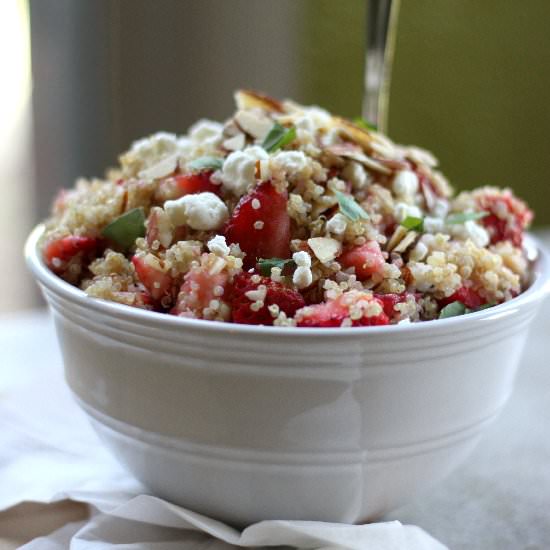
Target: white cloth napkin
[49,452]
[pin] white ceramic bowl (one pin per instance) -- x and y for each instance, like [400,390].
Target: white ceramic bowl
[246,423]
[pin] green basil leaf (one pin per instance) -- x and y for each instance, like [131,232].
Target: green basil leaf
[413,223]
[350,208]
[266,264]
[463,217]
[484,306]
[365,124]
[278,137]
[125,229]
[205,163]
[454,309]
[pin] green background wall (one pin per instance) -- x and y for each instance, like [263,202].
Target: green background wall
[471,83]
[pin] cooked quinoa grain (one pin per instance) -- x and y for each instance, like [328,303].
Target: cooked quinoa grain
[286,215]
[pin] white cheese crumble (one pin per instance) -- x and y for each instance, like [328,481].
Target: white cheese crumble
[405,183]
[203,211]
[471,230]
[302,276]
[403,211]
[239,169]
[295,164]
[218,246]
[433,224]
[337,224]
[440,208]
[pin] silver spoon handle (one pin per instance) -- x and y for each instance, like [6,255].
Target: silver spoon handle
[381,30]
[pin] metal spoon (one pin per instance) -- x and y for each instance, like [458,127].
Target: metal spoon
[381,30]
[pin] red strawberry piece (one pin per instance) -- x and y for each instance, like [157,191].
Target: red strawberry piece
[159,284]
[260,225]
[333,312]
[390,300]
[508,216]
[200,287]
[367,259]
[468,296]
[59,252]
[189,184]
[245,312]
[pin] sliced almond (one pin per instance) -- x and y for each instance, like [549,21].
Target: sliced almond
[358,135]
[162,169]
[420,156]
[407,241]
[397,237]
[254,124]
[248,99]
[235,143]
[325,248]
[353,153]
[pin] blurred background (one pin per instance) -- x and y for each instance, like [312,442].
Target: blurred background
[81,80]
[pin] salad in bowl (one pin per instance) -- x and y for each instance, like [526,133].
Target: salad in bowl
[287,215]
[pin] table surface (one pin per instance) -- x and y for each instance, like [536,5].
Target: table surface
[499,499]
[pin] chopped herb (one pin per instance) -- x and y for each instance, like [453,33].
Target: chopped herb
[125,229]
[463,217]
[413,223]
[365,124]
[206,163]
[266,264]
[454,309]
[350,208]
[278,137]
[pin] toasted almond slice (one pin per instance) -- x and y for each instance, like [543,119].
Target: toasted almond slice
[325,248]
[162,169]
[235,143]
[248,99]
[345,151]
[396,238]
[254,124]
[406,242]
[358,135]
[420,156]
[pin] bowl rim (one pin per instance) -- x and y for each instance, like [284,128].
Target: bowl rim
[537,291]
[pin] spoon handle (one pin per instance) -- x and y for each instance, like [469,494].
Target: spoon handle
[381,30]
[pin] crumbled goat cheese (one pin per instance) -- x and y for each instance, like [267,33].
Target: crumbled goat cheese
[203,211]
[403,211]
[440,208]
[433,225]
[293,163]
[302,276]
[405,183]
[337,224]
[148,151]
[239,169]
[206,133]
[473,231]
[218,246]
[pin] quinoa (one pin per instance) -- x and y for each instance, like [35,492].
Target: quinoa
[286,215]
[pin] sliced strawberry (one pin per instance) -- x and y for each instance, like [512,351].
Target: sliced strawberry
[74,250]
[367,259]
[201,285]
[508,216]
[390,300]
[360,308]
[468,296]
[154,278]
[189,184]
[245,312]
[260,225]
